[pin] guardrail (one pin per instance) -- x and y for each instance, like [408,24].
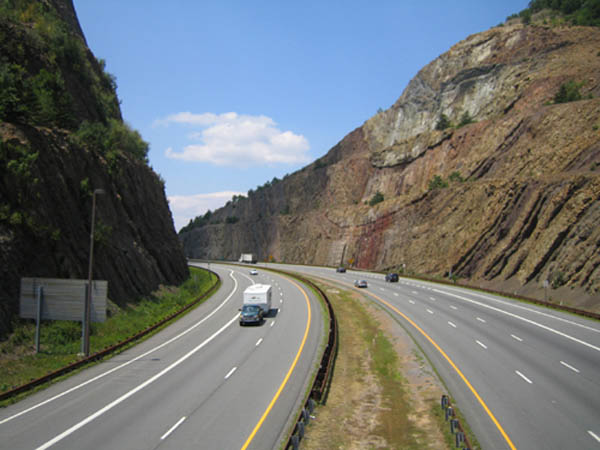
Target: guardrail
[102,353]
[460,437]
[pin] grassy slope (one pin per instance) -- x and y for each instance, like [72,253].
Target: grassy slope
[61,340]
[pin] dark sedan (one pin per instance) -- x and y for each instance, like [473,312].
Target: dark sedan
[391,277]
[251,314]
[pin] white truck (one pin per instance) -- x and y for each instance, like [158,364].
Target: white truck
[247,258]
[259,295]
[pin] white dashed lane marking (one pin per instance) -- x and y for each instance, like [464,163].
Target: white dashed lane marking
[230,372]
[574,369]
[524,377]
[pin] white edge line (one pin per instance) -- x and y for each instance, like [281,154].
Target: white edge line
[114,369]
[166,435]
[594,435]
[124,397]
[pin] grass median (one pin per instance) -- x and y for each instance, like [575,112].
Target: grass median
[382,394]
[60,341]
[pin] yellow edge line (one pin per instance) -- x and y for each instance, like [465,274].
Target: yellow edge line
[454,366]
[287,376]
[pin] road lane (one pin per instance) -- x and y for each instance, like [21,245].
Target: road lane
[538,401]
[178,389]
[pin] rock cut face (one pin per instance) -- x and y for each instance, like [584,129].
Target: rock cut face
[506,196]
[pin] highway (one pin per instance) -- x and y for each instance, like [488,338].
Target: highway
[202,382]
[524,376]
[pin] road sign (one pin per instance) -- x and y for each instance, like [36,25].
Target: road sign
[64,299]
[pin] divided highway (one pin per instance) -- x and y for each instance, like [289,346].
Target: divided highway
[202,382]
[524,376]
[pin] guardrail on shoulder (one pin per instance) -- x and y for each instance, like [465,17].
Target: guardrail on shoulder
[102,353]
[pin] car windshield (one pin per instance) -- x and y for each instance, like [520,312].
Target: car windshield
[250,309]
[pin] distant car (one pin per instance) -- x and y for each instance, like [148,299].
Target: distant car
[341,270]
[360,283]
[253,272]
[251,314]
[391,277]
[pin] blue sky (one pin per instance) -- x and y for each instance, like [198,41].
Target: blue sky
[230,94]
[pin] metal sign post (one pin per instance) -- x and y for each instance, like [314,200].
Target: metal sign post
[38,319]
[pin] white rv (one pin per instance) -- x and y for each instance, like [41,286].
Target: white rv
[247,258]
[259,295]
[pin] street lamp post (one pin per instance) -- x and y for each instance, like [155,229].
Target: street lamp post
[88,297]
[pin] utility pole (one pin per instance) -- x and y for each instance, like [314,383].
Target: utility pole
[88,297]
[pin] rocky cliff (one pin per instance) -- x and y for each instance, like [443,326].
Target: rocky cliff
[61,138]
[476,172]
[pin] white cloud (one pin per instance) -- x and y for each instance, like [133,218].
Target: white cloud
[232,139]
[186,207]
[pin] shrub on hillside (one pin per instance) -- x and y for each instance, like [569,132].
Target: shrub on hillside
[465,119]
[437,182]
[568,92]
[443,122]
[111,138]
[377,198]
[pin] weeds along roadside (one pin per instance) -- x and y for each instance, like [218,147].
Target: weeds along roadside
[61,340]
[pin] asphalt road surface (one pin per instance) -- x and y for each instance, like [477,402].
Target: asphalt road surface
[524,376]
[203,382]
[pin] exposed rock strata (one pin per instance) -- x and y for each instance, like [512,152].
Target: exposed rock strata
[522,201]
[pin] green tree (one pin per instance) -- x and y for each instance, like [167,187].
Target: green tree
[525,16]
[456,177]
[377,198]
[465,119]
[443,122]
[437,182]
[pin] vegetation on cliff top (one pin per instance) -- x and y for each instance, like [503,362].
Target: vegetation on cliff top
[45,67]
[576,12]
